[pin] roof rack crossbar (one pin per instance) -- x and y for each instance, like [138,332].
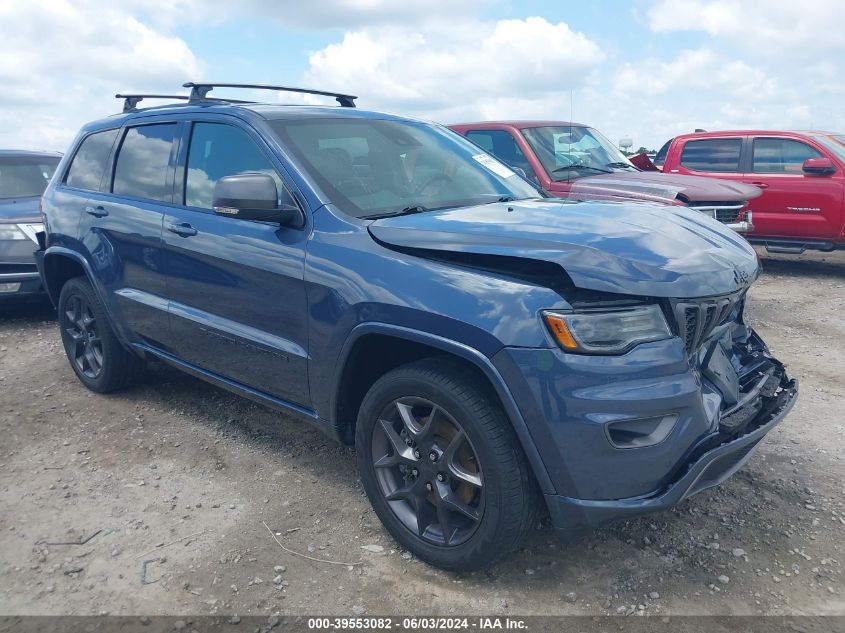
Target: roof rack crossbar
[199,91]
[131,101]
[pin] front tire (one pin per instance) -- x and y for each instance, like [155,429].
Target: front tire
[96,356]
[442,466]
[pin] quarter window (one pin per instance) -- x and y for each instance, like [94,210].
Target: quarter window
[716,154]
[219,150]
[89,164]
[143,163]
[781,155]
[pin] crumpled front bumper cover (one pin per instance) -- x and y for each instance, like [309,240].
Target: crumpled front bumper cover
[709,469]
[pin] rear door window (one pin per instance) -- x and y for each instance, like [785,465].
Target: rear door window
[781,155]
[89,164]
[712,154]
[143,163]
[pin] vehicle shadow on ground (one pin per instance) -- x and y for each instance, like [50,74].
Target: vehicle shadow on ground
[28,312]
[825,265]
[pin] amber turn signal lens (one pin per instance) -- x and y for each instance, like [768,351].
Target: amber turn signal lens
[560,331]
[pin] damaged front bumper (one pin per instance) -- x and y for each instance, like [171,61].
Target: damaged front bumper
[719,401]
[709,468]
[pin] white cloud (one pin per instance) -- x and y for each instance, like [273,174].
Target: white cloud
[769,28]
[700,69]
[477,69]
[63,61]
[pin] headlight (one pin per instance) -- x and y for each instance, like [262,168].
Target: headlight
[608,332]
[11,232]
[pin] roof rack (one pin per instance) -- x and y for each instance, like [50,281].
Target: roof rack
[199,91]
[132,100]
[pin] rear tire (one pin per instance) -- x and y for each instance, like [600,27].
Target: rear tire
[96,356]
[442,466]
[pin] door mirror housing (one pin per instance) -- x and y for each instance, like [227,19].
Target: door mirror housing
[253,196]
[819,166]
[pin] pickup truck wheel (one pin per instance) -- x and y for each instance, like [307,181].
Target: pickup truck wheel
[442,466]
[96,356]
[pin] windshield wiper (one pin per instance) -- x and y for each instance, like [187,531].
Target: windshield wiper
[413,208]
[621,165]
[590,167]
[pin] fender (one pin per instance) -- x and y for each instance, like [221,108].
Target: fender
[469,354]
[62,251]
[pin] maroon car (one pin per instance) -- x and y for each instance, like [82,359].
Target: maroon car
[574,160]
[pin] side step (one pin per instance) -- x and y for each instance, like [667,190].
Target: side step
[792,247]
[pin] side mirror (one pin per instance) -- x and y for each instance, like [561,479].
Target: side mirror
[253,197]
[819,166]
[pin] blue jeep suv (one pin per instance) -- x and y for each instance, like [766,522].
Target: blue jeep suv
[485,348]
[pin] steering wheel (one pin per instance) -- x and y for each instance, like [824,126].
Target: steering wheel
[434,178]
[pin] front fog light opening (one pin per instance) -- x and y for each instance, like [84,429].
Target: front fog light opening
[641,432]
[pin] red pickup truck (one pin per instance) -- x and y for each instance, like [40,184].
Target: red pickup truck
[802,175]
[574,160]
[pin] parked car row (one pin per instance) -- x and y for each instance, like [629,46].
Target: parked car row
[488,349]
[574,160]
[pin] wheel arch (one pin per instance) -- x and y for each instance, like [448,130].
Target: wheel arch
[393,346]
[60,265]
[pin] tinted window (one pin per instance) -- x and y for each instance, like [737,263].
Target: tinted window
[660,157]
[712,154]
[216,151]
[89,164]
[25,176]
[142,167]
[781,155]
[502,145]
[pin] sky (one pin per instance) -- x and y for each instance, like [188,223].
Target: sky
[643,69]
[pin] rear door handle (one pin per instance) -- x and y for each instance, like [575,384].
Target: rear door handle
[762,185]
[185,230]
[97,212]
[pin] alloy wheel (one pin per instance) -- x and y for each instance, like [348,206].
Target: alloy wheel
[86,346]
[428,471]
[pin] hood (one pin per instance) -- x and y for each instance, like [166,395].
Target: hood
[655,185]
[629,248]
[19,210]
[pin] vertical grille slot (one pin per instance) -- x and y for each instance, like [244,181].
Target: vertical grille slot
[696,319]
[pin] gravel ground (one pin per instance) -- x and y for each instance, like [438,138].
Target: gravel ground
[165,489]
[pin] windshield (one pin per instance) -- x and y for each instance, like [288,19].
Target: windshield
[25,176]
[372,167]
[571,152]
[834,142]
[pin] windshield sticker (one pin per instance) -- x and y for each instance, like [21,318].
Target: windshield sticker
[493,165]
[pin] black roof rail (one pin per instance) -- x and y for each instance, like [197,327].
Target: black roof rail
[132,100]
[199,91]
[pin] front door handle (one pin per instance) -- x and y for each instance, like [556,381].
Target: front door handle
[185,229]
[762,185]
[97,212]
